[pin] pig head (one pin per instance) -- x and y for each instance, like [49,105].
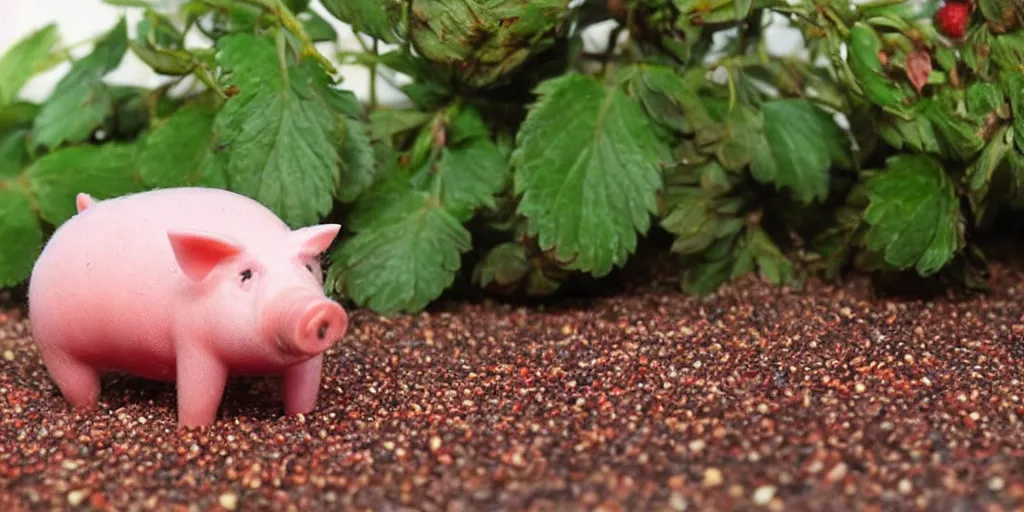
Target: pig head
[254,309]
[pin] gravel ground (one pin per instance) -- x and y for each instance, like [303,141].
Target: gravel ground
[754,399]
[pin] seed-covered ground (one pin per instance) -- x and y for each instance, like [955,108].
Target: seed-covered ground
[830,398]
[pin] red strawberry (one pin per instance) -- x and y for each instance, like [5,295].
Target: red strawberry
[952,18]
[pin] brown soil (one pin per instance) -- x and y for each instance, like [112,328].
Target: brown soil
[756,398]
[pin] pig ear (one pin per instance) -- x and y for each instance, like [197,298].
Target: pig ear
[83,201]
[313,240]
[198,252]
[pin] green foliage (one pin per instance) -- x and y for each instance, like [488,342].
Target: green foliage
[587,166]
[524,159]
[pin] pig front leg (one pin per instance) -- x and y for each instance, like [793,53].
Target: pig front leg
[77,381]
[201,379]
[301,385]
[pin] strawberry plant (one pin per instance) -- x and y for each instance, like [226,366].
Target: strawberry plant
[521,158]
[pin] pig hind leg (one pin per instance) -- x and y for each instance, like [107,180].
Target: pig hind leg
[78,382]
[301,384]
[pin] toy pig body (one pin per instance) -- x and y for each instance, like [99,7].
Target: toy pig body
[185,284]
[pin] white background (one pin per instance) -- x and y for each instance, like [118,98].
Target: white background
[81,20]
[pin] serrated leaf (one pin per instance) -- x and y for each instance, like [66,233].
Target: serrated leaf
[401,261]
[24,59]
[81,101]
[102,171]
[469,176]
[913,214]
[21,237]
[367,16]
[801,143]
[588,170]
[181,152]
[278,132]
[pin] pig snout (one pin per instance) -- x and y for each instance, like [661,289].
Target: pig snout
[306,324]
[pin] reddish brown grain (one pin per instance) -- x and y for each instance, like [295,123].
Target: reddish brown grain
[827,399]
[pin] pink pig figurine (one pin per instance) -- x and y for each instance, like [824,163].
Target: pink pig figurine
[191,285]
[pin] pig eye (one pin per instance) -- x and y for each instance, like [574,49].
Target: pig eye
[246,275]
[309,268]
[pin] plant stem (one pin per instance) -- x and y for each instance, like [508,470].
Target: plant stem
[373,75]
[609,50]
[293,25]
[371,65]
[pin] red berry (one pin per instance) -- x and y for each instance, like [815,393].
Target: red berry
[952,18]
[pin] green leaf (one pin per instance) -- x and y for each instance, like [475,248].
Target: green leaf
[160,44]
[983,98]
[297,6]
[81,101]
[19,114]
[588,170]
[671,99]
[1007,50]
[960,134]
[1013,84]
[504,265]
[913,214]
[401,260]
[386,123]
[1002,13]
[278,134]
[23,60]
[13,154]
[181,151]
[469,176]
[21,237]
[367,16]
[741,136]
[981,172]
[317,28]
[771,263]
[359,170]
[801,143]
[101,171]
[864,45]
[715,268]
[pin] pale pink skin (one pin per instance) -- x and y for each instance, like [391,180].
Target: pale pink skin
[152,284]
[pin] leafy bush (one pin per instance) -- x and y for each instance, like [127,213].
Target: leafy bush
[884,147]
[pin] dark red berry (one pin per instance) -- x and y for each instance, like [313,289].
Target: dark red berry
[952,19]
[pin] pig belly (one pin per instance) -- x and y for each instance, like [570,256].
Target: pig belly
[112,336]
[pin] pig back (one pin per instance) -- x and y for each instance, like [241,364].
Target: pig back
[107,280]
